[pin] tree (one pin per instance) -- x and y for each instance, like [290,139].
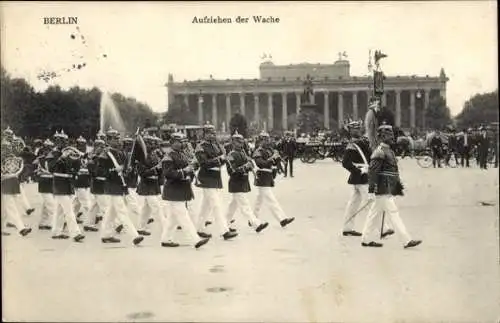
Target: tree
[480,109]
[239,122]
[438,114]
[179,113]
[309,120]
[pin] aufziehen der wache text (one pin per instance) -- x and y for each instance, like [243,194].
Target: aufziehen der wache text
[238,20]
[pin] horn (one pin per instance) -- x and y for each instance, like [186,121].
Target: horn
[12,166]
[73,152]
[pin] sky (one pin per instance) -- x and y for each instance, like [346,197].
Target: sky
[144,42]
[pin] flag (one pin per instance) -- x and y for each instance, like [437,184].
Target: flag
[139,150]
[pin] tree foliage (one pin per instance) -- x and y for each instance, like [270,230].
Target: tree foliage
[309,120]
[480,109]
[76,110]
[179,113]
[239,122]
[437,115]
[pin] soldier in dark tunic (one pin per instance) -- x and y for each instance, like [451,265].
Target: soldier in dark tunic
[288,149]
[82,189]
[356,160]
[383,184]
[211,157]
[149,186]
[97,183]
[44,178]
[436,145]
[239,164]
[64,168]
[177,191]
[266,159]
[11,191]
[113,160]
[483,147]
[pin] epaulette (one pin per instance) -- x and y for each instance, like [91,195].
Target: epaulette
[350,146]
[378,153]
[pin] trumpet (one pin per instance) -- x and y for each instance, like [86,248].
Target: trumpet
[72,153]
[12,166]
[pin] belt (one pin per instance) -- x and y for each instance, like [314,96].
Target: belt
[100,178]
[390,174]
[151,177]
[46,176]
[63,175]
[217,169]
[83,171]
[267,170]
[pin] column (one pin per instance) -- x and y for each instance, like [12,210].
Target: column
[242,103]
[355,105]
[384,99]
[214,110]
[186,100]
[284,112]
[442,93]
[228,110]
[200,109]
[426,107]
[256,115]
[270,114]
[412,108]
[297,102]
[368,96]
[340,109]
[398,108]
[326,112]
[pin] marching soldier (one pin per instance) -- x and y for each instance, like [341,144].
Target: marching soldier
[113,159]
[239,164]
[211,156]
[82,188]
[149,186]
[177,190]
[64,166]
[266,159]
[45,179]
[11,190]
[383,184]
[356,160]
[97,182]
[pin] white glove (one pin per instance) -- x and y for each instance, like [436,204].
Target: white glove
[371,196]
[188,169]
[364,169]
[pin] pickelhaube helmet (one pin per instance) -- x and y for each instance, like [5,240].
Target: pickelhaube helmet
[208,128]
[63,135]
[112,132]
[81,140]
[264,134]
[384,128]
[48,143]
[100,134]
[237,136]
[354,124]
[8,131]
[57,135]
[99,142]
[177,136]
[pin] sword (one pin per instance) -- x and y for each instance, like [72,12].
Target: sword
[115,163]
[358,211]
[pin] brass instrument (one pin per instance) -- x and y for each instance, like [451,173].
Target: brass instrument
[18,145]
[72,152]
[12,166]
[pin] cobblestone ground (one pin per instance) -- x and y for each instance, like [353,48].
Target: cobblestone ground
[306,272]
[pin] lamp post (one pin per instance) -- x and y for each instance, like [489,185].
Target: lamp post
[418,95]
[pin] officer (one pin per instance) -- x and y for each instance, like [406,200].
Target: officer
[44,178]
[383,184]
[82,188]
[97,182]
[356,160]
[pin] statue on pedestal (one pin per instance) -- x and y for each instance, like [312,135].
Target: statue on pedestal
[309,119]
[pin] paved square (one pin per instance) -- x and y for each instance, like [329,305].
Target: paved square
[304,273]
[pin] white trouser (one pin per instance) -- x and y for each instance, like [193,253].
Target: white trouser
[99,208]
[265,194]
[356,201]
[381,204]
[10,212]
[211,204]
[81,202]
[150,208]
[117,209]
[240,201]
[133,202]
[178,215]
[22,198]
[48,209]
[64,213]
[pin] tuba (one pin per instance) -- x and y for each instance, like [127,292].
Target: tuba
[72,152]
[12,166]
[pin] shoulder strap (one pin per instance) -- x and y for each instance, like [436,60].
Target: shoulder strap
[365,161]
